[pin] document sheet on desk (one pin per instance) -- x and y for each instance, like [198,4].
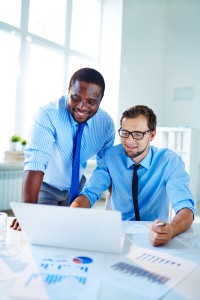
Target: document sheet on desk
[148,273]
[60,274]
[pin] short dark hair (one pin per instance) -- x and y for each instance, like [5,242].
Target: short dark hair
[88,75]
[135,111]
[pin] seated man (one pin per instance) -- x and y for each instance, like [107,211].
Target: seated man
[161,178]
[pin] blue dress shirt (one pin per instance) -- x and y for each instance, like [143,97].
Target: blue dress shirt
[50,144]
[161,178]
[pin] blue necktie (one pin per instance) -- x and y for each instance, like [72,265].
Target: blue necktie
[76,163]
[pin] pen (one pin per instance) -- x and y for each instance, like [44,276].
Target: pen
[160,224]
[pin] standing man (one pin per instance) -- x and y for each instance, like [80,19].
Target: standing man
[50,152]
[161,179]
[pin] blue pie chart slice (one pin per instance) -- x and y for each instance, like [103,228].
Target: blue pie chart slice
[82,260]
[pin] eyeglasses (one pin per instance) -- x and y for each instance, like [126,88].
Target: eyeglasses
[137,135]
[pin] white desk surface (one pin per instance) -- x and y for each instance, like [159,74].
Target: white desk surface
[188,288]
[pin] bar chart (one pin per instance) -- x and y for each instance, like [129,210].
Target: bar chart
[51,279]
[154,259]
[64,267]
[135,271]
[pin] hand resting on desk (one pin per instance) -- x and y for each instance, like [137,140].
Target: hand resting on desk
[160,235]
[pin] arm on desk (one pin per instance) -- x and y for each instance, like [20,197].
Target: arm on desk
[160,235]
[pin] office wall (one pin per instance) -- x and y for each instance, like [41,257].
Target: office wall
[160,52]
[142,54]
[182,63]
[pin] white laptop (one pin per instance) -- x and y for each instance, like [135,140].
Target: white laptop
[67,227]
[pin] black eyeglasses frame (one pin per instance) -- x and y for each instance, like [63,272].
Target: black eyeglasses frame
[132,133]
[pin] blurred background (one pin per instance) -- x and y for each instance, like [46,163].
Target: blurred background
[147,50]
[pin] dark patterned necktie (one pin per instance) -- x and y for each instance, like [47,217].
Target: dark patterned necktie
[76,163]
[135,192]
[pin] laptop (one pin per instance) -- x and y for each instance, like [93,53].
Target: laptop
[67,227]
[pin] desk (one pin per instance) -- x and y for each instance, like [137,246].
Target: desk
[188,288]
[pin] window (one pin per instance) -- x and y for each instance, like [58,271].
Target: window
[76,62]
[9,72]
[40,50]
[10,12]
[44,80]
[85,30]
[47,19]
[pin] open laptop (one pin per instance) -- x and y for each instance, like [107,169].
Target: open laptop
[67,227]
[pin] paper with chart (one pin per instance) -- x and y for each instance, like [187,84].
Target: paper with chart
[149,273]
[60,274]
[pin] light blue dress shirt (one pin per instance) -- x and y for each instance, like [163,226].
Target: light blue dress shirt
[162,179]
[50,143]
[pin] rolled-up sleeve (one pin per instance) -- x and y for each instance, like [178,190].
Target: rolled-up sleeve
[40,144]
[178,188]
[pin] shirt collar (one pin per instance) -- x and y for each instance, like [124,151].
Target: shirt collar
[146,162]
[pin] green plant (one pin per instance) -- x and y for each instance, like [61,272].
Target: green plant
[23,142]
[15,138]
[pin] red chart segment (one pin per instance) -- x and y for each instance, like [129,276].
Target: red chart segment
[82,260]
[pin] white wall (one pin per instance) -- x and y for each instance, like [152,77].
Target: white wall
[182,62]
[142,60]
[161,51]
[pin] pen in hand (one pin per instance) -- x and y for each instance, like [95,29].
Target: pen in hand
[160,224]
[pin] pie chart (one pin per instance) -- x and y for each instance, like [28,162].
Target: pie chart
[82,260]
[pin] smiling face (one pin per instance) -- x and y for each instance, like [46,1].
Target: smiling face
[83,100]
[136,149]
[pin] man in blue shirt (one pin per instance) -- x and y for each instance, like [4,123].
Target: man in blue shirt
[49,153]
[161,178]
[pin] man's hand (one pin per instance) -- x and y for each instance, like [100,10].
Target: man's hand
[160,233]
[15,225]
[81,201]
